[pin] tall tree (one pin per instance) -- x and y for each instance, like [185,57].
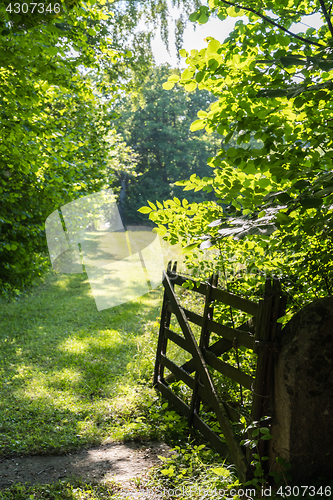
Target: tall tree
[51,124]
[156,126]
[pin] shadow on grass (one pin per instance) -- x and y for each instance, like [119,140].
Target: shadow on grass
[66,369]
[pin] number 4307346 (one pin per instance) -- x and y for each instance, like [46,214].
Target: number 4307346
[25,8]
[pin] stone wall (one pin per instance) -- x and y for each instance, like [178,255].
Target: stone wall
[302,426]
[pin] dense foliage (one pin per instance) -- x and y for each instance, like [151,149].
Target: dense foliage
[61,67]
[51,125]
[156,125]
[274,86]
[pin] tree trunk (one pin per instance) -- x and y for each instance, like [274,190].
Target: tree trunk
[122,197]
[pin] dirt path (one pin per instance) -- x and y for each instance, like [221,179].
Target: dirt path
[121,462]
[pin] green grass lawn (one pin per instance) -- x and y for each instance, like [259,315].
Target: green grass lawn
[72,376]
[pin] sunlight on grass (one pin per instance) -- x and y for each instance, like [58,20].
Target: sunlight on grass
[72,375]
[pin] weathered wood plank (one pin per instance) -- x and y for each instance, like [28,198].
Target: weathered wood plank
[235,301]
[181,374]
[191,316]
[203,342]
[162,340]
[177,339]
[228,298]
[198,423]
[228,370]
[242,337]
[219,347]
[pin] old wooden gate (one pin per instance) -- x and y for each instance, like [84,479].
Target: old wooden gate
[260,334]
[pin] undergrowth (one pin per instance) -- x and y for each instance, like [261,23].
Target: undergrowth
[70,489]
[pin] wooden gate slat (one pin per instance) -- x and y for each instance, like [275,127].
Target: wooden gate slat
[191,316]
[181,374]
[235,301]
[177,339]
[228,370]
[205,430]
[203,343]
[218,348]
[162,340]
[242,337]
[228,298]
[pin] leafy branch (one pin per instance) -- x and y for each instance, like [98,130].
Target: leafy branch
[269,20]
[327,16]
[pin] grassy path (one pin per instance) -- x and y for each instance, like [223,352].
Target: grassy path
[72,376]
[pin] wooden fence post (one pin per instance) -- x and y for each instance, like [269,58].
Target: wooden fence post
[162,340]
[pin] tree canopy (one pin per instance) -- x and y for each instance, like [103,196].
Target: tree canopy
[51,123]
[274,86]
[61,66]
[269,99]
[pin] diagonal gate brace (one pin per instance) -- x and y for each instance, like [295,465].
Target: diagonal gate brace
[236,453]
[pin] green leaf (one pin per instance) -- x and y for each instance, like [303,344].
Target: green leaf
[203,19]
[194,16]
[145,210]
[221,471]
[168,85]
[151,205]
[266,437]
[189,248]
[232,152]
[213,46]
[199,76]
[292,60]
[197,125]
[173,78]
[190,87]
[326,65]
[311,202]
